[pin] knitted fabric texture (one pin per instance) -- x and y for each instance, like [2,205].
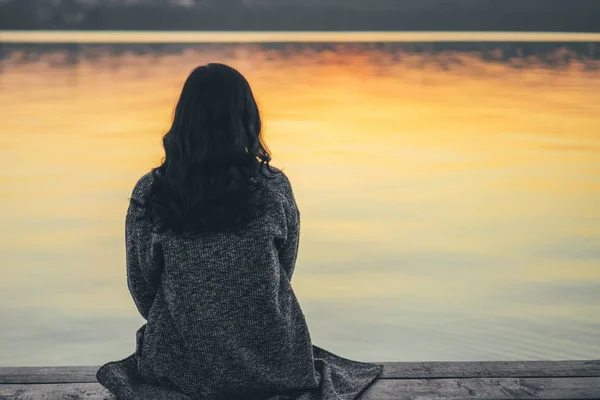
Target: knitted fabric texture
[222,319]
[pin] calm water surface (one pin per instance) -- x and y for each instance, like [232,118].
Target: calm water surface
[450,210]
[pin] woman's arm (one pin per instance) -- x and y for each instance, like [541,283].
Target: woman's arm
[143,259]
[289,251]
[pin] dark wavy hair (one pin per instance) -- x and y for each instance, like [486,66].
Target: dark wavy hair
[214,153]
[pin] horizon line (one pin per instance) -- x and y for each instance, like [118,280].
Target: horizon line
[120,36]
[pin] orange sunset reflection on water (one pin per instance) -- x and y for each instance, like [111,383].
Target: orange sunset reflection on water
[450,205]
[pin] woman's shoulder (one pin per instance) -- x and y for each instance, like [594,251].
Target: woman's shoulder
[142,185]
[276,179]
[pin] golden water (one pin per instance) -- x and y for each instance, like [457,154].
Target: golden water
[446,214]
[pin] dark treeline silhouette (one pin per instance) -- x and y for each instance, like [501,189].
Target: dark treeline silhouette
[446,55]
[327,15]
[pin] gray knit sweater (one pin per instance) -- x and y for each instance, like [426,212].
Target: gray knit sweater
[222,319]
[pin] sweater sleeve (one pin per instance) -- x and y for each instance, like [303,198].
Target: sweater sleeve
[289,251]
[143,260]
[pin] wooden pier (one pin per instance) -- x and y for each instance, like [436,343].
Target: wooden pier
[415,380]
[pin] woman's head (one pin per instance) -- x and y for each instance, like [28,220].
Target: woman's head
[216,119]
[213,154]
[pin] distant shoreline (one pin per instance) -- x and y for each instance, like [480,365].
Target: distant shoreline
[299,15]
[149,37]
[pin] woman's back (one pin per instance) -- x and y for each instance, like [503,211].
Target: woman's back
[224,308]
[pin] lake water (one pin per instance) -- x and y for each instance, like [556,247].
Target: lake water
[450,203]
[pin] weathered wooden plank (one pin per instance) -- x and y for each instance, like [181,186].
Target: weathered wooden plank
[385,389]
[582,368]
[484,388]
[67,391]
[491,369]
[405,370]
[424,370]
[84,374]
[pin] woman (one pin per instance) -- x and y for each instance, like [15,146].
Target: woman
[211,243]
